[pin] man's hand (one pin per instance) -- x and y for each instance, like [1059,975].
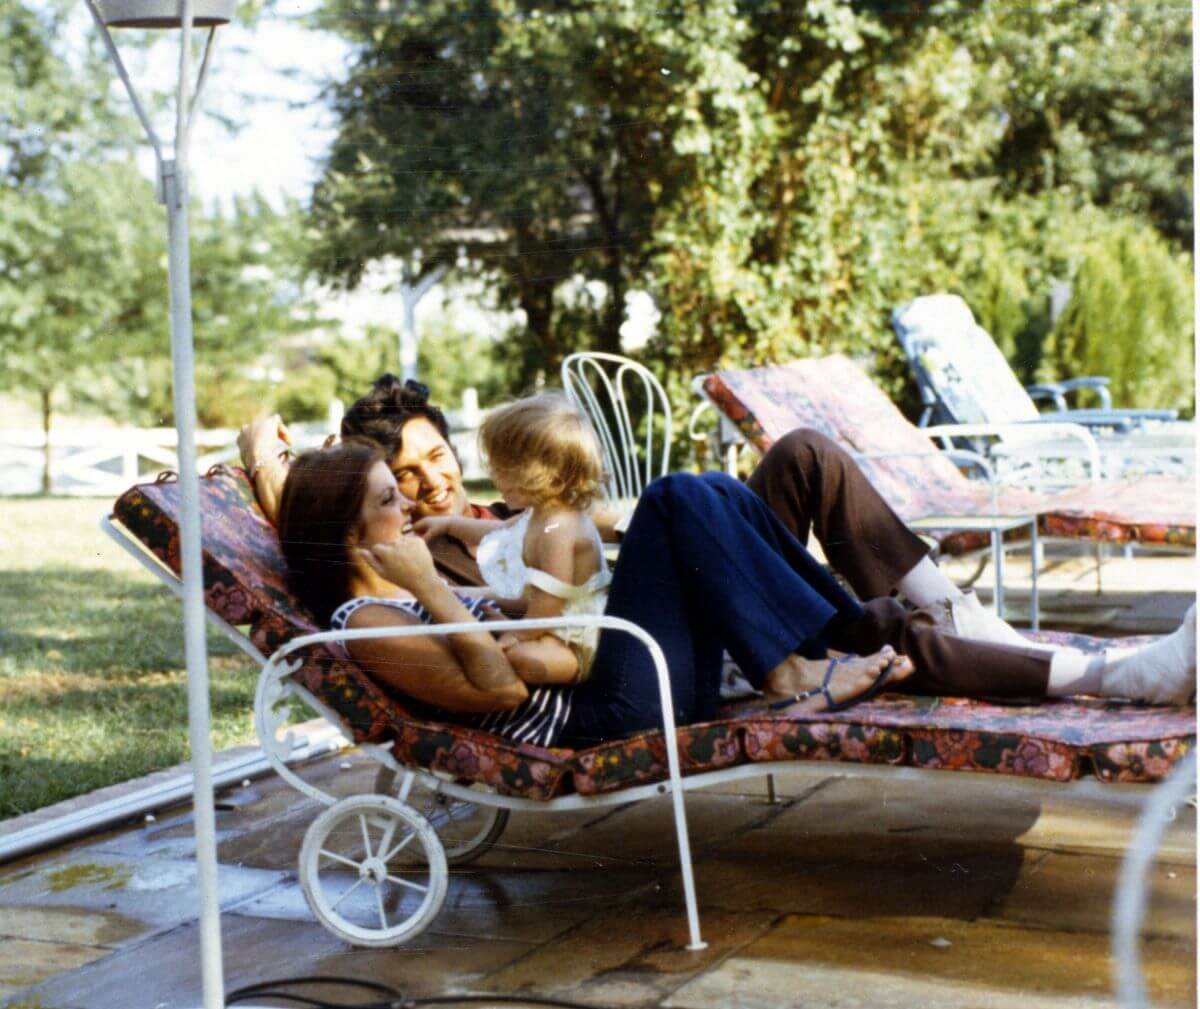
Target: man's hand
[259,441]
[406,562]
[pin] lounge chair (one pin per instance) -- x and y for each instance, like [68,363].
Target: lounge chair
[356,843]
[964,379]
[835,396]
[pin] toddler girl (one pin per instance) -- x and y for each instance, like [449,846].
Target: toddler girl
[544,459]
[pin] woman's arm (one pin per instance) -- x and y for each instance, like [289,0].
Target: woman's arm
[259,445]
[407,563]
[425,668]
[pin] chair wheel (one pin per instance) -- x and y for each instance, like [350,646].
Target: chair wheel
[373,871]
[466,829]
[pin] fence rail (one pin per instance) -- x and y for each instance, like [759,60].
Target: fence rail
[104,462]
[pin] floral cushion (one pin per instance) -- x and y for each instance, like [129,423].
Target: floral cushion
[246,584]
[834,396]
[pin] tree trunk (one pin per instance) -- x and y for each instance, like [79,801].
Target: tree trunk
[47,413]
[537,301]
[614,309]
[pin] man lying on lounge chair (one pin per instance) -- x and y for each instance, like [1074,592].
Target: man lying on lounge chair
[810,484]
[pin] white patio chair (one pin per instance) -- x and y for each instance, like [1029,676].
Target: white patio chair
[965,380]
[631,414]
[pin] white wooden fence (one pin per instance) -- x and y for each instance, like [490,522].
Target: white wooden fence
[104,462]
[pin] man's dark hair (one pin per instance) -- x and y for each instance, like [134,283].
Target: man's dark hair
[381,414]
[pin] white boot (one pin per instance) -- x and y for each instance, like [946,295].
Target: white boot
[963,614]
[1161,673]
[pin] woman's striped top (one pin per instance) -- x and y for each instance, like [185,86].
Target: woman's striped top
[538,720]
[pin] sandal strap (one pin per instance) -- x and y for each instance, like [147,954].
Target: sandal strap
[823,689]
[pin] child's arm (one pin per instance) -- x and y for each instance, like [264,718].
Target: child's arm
[546,659]
[468,531]
[566,549]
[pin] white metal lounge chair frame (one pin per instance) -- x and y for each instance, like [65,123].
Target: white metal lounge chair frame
[269,718]
[944,435]
[391,813]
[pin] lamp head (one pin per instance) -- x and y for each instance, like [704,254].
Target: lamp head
[163,13]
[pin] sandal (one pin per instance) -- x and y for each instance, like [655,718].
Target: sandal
[831,705]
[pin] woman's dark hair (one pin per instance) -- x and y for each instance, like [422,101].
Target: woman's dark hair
[320,507]
[381,414]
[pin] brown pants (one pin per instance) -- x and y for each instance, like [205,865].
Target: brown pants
[813,485]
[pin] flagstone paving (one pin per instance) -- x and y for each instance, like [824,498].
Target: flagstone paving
[855,888]
[941,890]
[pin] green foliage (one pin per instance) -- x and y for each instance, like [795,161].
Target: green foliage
[1130,317]
[83,279]
[452,360]
[305,393]
[778,175]
[355,363]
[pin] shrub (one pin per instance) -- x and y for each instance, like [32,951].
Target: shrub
[1130,317]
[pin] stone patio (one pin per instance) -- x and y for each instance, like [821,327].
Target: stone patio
[946,890]
[853,889]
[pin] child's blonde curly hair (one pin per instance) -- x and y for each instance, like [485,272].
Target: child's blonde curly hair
[547,448]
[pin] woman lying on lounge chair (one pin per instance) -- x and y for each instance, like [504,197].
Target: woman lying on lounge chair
[705,567]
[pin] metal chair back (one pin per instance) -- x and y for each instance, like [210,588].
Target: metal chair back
[631,414]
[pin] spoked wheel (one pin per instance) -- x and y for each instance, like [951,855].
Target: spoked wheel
[466,829]
[373,871]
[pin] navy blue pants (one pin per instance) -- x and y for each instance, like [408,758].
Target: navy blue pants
[705,567]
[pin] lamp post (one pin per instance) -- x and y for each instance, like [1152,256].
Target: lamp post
[172,175]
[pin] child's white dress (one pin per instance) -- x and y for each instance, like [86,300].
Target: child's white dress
[501,561]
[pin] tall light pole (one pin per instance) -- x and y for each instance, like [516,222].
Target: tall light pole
[173,194]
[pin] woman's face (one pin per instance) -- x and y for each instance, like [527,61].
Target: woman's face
[386,513]
[427,472]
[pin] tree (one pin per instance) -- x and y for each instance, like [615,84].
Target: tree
[524,141]
[780,174]
[83,283]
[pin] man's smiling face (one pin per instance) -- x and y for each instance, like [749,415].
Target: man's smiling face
[427,472]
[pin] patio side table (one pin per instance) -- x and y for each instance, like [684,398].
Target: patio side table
[996,526]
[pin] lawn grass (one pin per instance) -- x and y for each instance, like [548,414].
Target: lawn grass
[92,678]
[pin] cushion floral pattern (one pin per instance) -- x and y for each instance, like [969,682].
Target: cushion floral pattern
[834,396]
[245,583]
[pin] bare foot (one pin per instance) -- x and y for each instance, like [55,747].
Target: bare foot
[852,677]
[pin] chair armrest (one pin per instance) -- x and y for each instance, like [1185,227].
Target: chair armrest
[1097,383]
[1049,390]
[1076,431]
[1122,419]
[1057,391]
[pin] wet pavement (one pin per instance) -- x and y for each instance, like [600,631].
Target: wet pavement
[890,889]
[937,890]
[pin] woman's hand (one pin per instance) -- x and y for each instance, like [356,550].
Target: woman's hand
[405,562]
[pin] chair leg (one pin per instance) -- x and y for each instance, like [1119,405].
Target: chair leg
[1099,564]
[998,562]
[1035,551]
[772,798]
